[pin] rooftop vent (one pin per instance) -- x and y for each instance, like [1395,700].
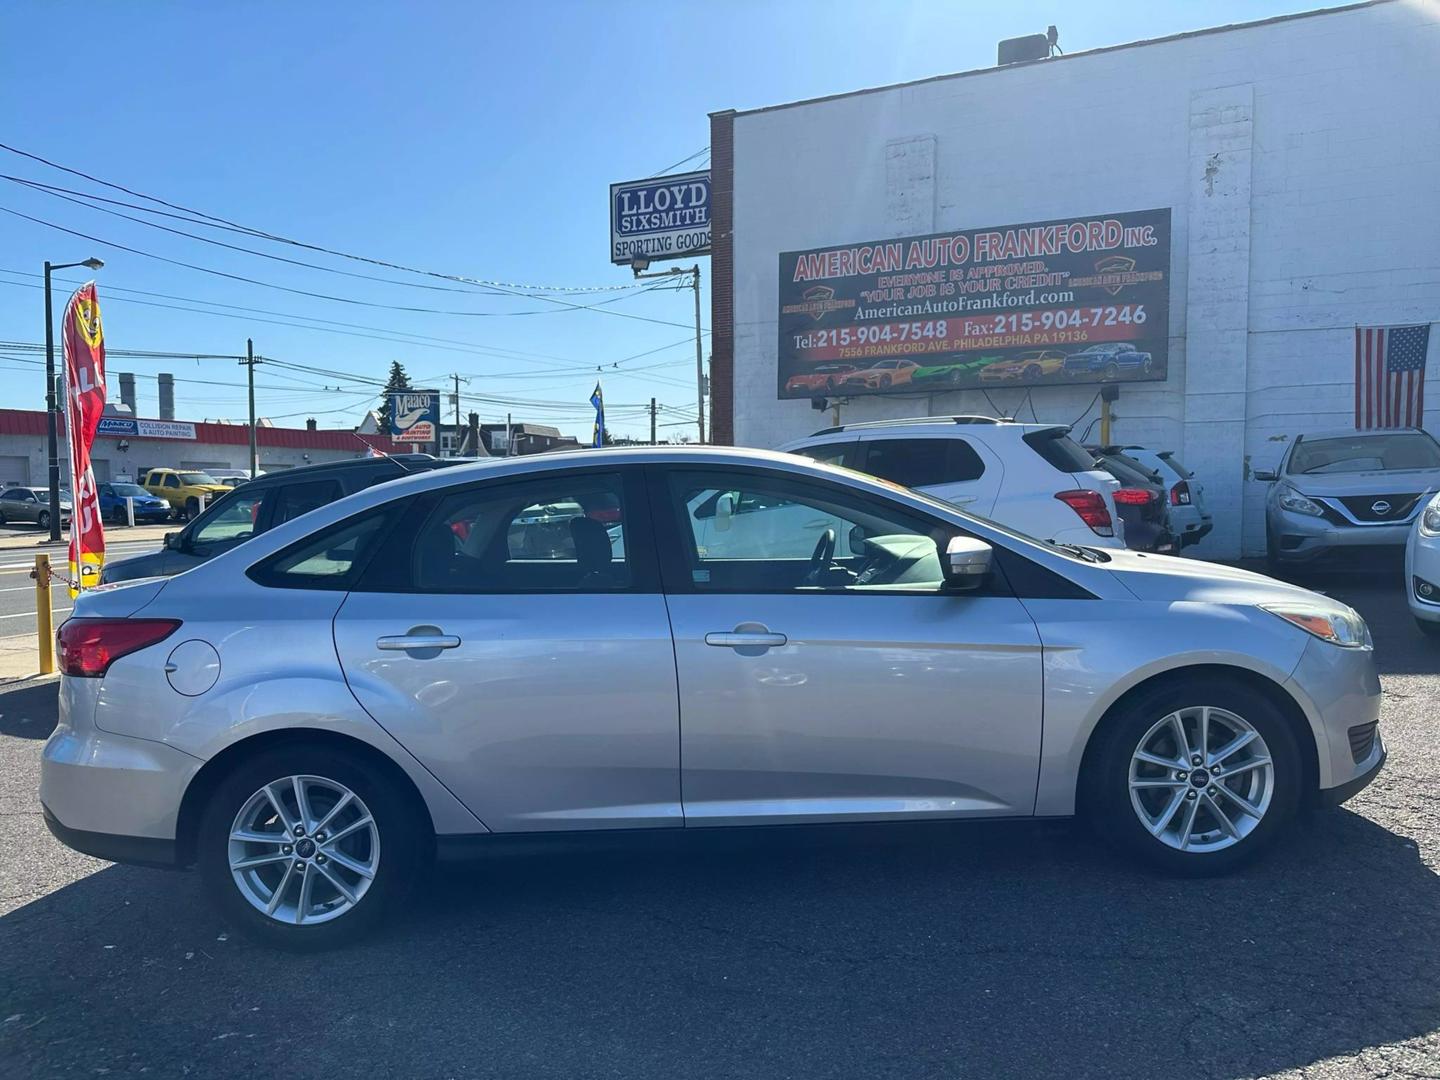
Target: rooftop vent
[1030,47]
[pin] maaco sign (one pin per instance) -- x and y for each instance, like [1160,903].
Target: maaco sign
[667,217]
[414,415]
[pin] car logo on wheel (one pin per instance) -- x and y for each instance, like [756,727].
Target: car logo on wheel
[1380,507]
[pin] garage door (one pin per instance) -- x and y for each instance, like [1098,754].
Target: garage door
[14,470]
[101,468]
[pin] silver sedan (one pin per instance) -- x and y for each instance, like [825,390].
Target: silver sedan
[704,638]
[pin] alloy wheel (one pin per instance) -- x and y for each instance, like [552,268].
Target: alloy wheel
[304,850]
[1201,779]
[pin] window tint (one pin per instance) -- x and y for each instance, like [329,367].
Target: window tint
[232,521]
[551,534]
[14,495]
[827,454]
[751,532]
[1365,453]
[292,500]
[332,558]
[921,462]
[1060,450]
[172,481]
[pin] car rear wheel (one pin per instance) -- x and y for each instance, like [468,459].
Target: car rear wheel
[1195,778]
[307,847]
[1112,370]
[192,508]
[1032,373]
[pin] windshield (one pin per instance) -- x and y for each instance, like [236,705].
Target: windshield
[197,478]
[133,491]
[1366,453]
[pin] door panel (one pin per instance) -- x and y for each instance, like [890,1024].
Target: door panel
[544,695]
[553,712]
[843,686]
[875,707]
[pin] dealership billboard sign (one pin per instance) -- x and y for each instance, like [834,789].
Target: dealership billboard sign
[1075,300]
[667,217]
[414,415]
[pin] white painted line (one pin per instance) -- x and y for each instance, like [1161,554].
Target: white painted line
[31,614]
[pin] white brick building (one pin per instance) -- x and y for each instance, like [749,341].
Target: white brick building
[1300,160]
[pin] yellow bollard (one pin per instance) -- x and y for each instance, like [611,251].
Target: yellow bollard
[44,628]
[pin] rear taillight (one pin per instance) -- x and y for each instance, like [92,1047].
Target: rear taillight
[89,646]
[1090,505]
[1180,494]
[1132,496]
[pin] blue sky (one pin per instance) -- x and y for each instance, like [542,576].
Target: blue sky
[469,138]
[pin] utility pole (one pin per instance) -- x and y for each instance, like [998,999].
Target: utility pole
[640,263]
[653,440]
[457,415]
[509,436]
[250,363]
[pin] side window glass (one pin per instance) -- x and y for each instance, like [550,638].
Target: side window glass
[292,500]
[922,462]
[828,454]
[172,481]
[553,534]
[330,559]
[232,521]
[748,532]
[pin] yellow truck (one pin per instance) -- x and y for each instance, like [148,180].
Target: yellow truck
[186,490]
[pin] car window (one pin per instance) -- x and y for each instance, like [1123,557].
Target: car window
[753,532]
[233,520]
[551,534]
[1060,450]
[14,495]
[292,500]
[332,558]
[123,491]
[198,478]
[1366,453]
[172,481]
[921,462]
[827,453]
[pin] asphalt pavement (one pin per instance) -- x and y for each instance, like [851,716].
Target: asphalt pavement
[1003,950]
[17,590]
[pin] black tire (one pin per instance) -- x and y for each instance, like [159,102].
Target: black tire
[1106,783]
[884,382]
[1032,373]
[1429,629]
[1112,370]
[192,508]
[2,518]
[43,519]
[401,829]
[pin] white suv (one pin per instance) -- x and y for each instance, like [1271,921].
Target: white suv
[1031,477]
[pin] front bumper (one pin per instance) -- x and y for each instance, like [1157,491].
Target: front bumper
[1301,538]
[1339,691]
[1344,792]
[1422,560]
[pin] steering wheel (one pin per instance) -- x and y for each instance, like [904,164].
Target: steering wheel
[820,558]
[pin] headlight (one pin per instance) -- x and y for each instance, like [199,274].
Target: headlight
[1430,520]
[1292,500]
[1338,625]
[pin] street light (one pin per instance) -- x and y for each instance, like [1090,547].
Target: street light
[91,263]
[639,263]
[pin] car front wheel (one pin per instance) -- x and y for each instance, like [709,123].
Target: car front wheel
[1195,778]
[308,847]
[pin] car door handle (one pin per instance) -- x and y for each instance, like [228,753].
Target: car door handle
[411,642]
[741,639]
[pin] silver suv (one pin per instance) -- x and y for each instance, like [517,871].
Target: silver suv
[722,638]
[1337,491]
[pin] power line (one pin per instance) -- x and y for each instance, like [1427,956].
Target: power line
[672,168]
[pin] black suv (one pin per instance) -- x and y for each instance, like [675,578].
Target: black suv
[261,504]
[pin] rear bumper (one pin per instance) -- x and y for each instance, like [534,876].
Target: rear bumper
[137,850]
[1196,532]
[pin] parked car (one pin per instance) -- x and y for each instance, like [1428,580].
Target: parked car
[260,505]
[821,379]
[1422,568]
[185,490]
[1190,520]
[1140,501]
[1031,477]
[1025,367]
[149,509]
[310,716]
[881,375]
[954,371]
[1109,359]
[32,504]
[1336,491]
[232,478]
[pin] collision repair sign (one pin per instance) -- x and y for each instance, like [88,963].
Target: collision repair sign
[1075,300]
[667,217]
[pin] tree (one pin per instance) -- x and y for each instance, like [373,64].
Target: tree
[398,380]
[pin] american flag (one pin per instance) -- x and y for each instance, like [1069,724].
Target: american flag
[1390,375]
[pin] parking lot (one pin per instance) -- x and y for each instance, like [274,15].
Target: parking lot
[937,950]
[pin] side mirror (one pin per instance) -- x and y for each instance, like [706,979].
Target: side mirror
[172,541]
[966,564]
[1265,474]
[724,511]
